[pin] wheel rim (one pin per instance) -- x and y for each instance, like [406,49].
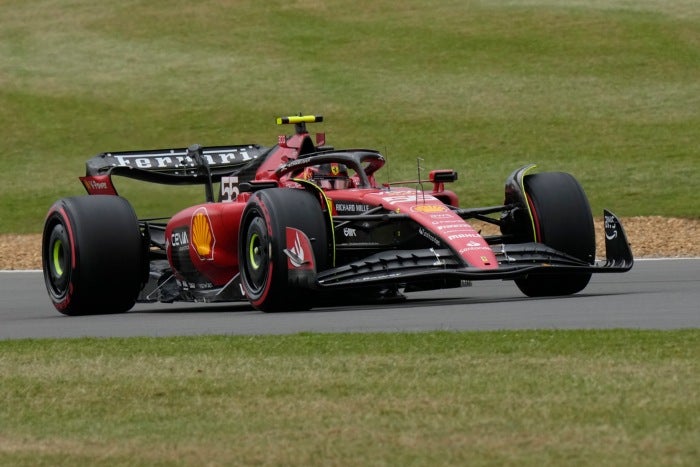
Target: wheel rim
[57,258]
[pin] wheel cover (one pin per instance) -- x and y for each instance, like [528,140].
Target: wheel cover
[254,251]
[57,257]
[257,260]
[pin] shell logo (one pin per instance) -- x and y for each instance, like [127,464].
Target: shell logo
[203,240]
[429,208]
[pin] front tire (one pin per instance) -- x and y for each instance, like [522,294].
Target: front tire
[563,221]
[92,255]
[266,279]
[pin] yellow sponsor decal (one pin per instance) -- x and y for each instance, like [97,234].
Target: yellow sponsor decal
[429,208]
[202,235]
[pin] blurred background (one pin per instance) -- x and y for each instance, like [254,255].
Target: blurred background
[606,90]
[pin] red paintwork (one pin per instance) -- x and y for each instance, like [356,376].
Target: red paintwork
[99,185]
[288,150]
[225,221]
[429,211]
[438,221]
[298,243]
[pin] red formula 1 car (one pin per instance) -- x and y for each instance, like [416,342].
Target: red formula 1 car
[286,226]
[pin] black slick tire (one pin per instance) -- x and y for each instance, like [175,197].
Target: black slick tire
[563,221]
[266,279]
[92,255]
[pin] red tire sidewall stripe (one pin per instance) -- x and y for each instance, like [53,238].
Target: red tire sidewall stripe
[71,239]
[271,269]
[63,304]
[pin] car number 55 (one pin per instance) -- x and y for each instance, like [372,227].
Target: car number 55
[229,189]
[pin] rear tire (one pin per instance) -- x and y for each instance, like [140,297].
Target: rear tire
[92,255]
[266,279]
[563,221]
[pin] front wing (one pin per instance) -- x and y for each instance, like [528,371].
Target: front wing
[515,260]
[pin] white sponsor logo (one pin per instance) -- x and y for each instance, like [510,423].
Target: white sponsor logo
[474,248]
[98,185]
[192,285]
[179,238]
[381,276]
[429,236]
[174,160]
[449,221]
[297,253]
[349,207]
[408,197]
[610,228]
[229,189]
[463,235]
[452,227]
[348,232]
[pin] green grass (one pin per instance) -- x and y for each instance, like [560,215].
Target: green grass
[479,398]
[606,90]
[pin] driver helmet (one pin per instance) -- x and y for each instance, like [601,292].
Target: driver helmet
[331,176]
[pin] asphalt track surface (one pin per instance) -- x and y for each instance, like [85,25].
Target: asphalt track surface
[655,294]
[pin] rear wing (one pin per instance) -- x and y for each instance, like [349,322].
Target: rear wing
[195,165]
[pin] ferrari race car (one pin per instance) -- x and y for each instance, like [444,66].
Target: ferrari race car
[300,223]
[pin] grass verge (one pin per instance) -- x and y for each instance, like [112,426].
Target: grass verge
[607,90]
[616,397]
